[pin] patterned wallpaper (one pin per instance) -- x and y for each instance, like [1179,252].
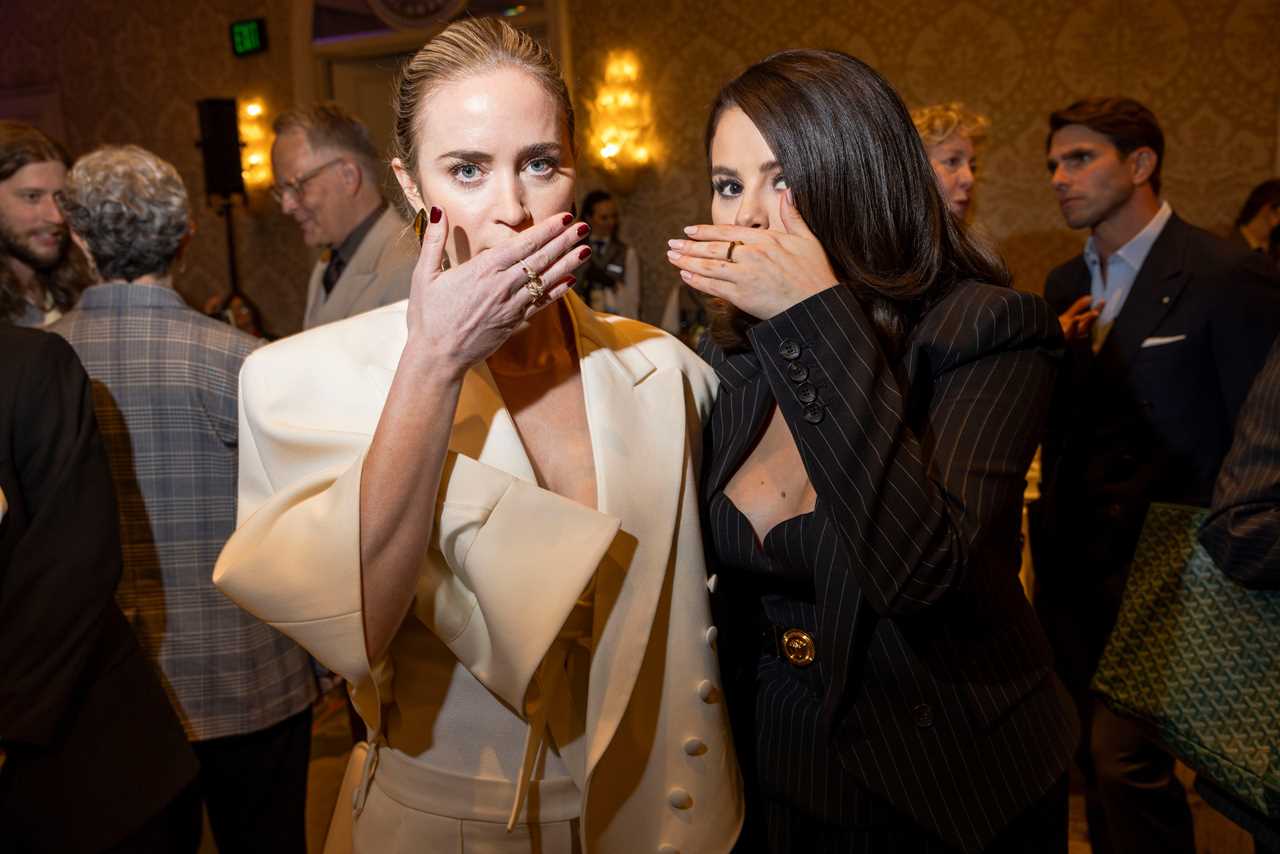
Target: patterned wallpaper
[131,72]
[1208,68]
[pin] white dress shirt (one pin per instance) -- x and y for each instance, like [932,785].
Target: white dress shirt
[1122,268]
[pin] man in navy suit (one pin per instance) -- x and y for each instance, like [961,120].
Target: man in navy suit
[1168,326]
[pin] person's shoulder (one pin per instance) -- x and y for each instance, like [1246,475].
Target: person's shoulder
[399,245]
[36,361]
[1065,277]
[975,319]
[659,347]
[1209,254]
[25,348]
[218,336]
[338,346]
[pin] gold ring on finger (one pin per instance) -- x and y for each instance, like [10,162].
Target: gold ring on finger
[728,255]
[533,284]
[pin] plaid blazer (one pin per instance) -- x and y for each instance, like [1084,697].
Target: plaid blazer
[164,388]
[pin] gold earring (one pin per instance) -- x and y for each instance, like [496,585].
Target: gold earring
[420,224]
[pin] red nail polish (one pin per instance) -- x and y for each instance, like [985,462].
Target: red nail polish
[566,219]
[585,253]
[436,213]
[583,229]
[570,280]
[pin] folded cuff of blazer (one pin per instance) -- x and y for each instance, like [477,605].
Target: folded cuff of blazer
[527,565]
[516,559]
[295,564]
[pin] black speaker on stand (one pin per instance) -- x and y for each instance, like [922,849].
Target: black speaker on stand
[220,146]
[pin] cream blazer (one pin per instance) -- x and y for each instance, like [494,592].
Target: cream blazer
[509,559]
[379,274]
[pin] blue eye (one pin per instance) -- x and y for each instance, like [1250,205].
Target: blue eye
[542,166]
[726,188]
[466,172]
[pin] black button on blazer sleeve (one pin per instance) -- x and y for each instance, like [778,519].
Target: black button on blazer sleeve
[917,486]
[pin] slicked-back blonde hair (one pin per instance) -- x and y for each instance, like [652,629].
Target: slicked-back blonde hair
[937,122]
[464,48]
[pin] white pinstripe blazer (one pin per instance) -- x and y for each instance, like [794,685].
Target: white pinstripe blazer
[936,686]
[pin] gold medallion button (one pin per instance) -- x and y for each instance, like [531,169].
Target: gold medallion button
[798,647]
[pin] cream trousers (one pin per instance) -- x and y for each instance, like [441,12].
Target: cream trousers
[411,807]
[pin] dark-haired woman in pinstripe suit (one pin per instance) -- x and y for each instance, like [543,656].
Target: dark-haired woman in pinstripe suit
[882,392]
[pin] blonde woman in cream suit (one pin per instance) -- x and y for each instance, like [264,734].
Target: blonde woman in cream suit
[480,507]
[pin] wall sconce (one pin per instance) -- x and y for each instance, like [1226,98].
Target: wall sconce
[622,138]
[255,137]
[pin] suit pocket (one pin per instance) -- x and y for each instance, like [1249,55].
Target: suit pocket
[990,702]
[999,669]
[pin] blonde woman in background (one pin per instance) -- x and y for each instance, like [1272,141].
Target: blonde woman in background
[479,506]
[951,136]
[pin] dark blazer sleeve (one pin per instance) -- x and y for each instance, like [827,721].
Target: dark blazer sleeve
[1242,532]
[915,505]
[1066,284]
[58,589]
[1244,321]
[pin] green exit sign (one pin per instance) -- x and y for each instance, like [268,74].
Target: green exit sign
[249,36]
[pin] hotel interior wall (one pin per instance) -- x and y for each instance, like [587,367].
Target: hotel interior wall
[131,72]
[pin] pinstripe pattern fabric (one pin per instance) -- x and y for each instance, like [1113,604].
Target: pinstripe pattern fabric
[932,693]
[1242,532]
[164,384]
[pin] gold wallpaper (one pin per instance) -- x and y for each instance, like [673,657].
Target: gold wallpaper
[1208,68]
[132,71]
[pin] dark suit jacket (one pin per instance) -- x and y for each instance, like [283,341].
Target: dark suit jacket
[93,748]
[1134,424]
[934,677]
[1243,531]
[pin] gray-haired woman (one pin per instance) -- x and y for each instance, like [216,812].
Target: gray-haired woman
[166,396]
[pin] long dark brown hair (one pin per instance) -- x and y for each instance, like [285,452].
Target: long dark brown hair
[20,145]
[860,178]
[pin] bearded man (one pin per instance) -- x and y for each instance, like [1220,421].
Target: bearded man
[41,276]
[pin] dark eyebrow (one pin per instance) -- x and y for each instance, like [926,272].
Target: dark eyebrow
[529,152]
[1072,153]
[470,156]
[541,149]
[724,171]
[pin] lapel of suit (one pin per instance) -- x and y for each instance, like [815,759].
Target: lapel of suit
[311,314]
[358,275]
[482,427]
[484,430]
[1152,297]
[741,410]
[636,416]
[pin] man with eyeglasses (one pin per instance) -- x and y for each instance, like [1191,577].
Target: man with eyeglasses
[327,178]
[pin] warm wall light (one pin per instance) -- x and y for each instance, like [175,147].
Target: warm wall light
[622,137]
[255,156]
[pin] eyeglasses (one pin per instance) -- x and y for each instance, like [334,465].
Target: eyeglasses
[279,191]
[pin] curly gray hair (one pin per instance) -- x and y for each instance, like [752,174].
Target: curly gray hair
[130,207]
